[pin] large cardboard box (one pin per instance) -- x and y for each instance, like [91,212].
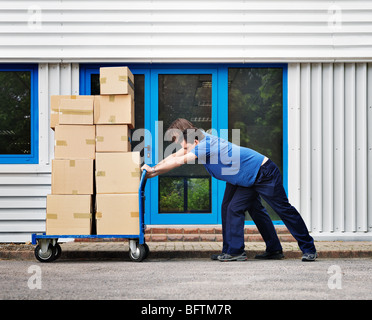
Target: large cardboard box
[68,214]
[75,142]
[117,214]
[114,109]
[116,80]
[118,172]
[55,103]
[72,176]
[112,138]
[76,111]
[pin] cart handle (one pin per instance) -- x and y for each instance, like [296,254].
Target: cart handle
[142,181]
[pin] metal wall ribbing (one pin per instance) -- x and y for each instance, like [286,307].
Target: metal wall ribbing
[23,188]
[192,30]
[330,146]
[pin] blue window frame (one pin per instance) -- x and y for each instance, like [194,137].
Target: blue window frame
[219,119]
[182,218]
[31,155]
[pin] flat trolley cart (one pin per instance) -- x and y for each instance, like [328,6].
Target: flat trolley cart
[48,250]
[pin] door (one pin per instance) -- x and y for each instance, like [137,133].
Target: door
[186,195]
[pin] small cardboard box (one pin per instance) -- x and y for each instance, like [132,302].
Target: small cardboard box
[76,111]
[75,142]
[72,176]
[114,109]
[117,214]
[68,214]
[55,103]
[118,172]
[112,138]
[116,80]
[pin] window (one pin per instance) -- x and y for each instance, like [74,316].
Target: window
[186,189]
[256,108]
[18,114]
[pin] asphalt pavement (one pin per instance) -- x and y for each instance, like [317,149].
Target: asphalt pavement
[184,279]
[182,271]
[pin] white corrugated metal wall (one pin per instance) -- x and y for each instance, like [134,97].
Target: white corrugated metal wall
[185,30]
[330,147]
[327,44]
[23,188]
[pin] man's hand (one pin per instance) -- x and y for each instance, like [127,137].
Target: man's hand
[149,171]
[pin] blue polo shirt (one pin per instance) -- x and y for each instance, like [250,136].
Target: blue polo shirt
[227,161]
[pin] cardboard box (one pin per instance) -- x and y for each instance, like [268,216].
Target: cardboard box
[117,214]
[75,142]
[112,138]
[114,109]
[76,111]
[72,176]
[118,172]
[54,106]
[116,80]
[68,214]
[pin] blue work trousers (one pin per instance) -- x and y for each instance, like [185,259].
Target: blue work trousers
[237,200]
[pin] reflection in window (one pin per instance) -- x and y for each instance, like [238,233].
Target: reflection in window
[256,108]
[184,195]
[187,188]
[15,112]
[198,195]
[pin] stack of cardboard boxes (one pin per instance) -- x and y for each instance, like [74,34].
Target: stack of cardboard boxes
[95,177]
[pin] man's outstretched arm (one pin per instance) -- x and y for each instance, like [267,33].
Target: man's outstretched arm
[169,164]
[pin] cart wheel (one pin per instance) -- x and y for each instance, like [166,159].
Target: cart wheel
[139,254]
[147,250]
[58,250]
[48,256]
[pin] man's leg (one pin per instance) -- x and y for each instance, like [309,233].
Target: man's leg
[269,185]
[235,217]
[228,195]
[264,225]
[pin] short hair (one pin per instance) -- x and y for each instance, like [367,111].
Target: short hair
[178,126]
[181,124]
[191,134]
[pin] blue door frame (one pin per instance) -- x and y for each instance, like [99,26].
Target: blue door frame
[219,74]
[183,218]
[33,157]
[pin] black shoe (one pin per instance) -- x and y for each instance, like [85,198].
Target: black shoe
[275,255]
[229,257]
[215,256]
[309,256]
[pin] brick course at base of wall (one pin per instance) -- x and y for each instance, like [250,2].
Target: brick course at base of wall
[197,234]
[209,234]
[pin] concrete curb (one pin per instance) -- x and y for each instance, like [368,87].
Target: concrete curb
[181,250]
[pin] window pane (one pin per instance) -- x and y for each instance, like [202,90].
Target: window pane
[94,85]
[186,96]
[171,194]
[184,195]
[15,112]
[198,194]
[256,108]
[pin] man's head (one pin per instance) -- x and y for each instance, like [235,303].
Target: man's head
[191,138]
[177,127]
